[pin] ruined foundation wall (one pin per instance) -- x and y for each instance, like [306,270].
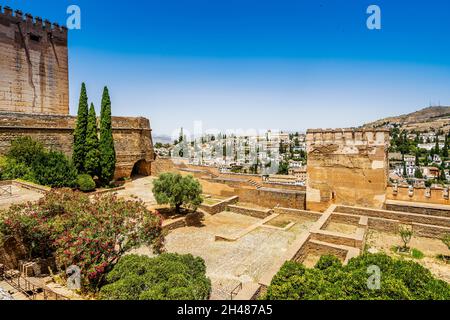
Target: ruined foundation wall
[33,65]
[347,166]
[132,137]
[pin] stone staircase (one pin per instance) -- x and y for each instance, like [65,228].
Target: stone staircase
[254,183]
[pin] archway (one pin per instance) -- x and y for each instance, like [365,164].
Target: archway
[141,168]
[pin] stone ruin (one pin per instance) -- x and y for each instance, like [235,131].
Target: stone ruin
[34,94]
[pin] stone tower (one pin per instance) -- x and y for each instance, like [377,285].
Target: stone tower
[33,65]
[347,166]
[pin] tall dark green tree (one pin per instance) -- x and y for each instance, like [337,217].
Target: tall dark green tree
[446,147]
[436,148]
[92,159]
[106,144]
[79,138]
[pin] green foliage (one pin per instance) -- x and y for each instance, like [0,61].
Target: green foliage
[12,170]
[55,170]
[446,240]
[417,254]
[166,277]
[106,145]
[79,152]
[28,160]
[91,161]
[328,261]
[176,190]
[85,183]
[400,280]
[92,234]
[25,150]
[283,168]
[406,235]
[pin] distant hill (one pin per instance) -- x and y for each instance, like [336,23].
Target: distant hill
[162,139]
[423,120]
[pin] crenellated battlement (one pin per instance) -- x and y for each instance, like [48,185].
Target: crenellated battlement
[32,24]
[348,136]
[33,64]
[346,166]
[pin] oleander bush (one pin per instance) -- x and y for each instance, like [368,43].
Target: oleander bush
[85,183]
[90,233]
[166,277]
[330,280]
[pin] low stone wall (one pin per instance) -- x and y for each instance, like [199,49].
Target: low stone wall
[394,215]
[30,186]
[219,207]
[174,224]
[436,196]
[302,213]
[132,137]
[11,253]
[419,208]
[257,213]
[384,225]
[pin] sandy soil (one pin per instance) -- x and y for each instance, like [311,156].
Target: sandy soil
[383,241]
[341,228]
[231,263]
[19,195]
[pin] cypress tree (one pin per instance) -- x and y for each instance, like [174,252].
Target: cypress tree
[446,147]
[79,138]
[106,145]
[92,159]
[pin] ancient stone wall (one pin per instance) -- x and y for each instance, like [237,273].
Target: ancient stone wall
[132,137]
[33,65]
[347,166]
[430,196]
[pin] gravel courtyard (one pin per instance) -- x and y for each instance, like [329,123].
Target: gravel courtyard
[231,263]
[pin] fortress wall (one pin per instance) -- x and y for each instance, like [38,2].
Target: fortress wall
[132,137]
[346,166]
[435,196]
[33,65]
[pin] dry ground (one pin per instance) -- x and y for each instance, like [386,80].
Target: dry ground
[19,195]
[383,241]
[230,263]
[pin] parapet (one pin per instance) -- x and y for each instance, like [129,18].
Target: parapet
[34,25]
[355,136]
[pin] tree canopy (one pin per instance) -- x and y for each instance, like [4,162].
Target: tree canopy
[166,277]
[176,190]
[330,280]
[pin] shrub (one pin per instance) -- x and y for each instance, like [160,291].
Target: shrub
[92,234]
[406,235]
[328,261]
[26,150]
[400,280]
[17,170]
[166,277]
[54,169]
[86,183]
[28,160]
[176,190]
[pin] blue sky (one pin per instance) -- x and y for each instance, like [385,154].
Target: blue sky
[279,64]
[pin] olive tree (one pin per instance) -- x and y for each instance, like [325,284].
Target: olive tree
[177,191]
